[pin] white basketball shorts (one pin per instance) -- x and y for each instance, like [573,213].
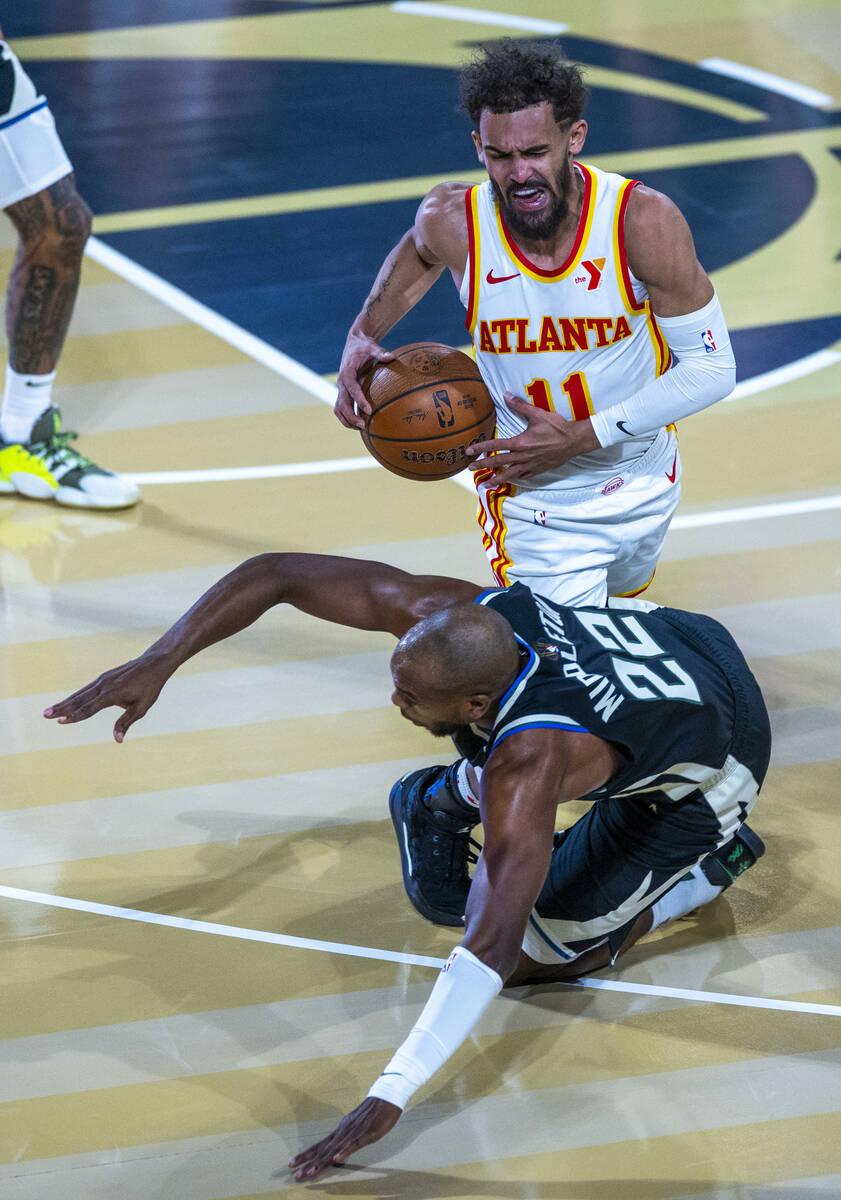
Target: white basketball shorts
[31,154]
[579,546]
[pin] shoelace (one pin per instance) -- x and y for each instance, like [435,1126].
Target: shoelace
[464,852]
[56,449]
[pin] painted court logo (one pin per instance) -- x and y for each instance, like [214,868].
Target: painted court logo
[707,339]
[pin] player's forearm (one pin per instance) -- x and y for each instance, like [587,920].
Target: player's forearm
[462,993]
[229,606]
[704,374]
[402,281]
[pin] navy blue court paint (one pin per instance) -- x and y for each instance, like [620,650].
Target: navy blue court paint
[49,17]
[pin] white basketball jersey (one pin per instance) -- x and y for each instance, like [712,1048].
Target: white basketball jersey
[573,340]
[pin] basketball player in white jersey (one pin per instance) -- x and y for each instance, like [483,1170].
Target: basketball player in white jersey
[581,290]
[595,328]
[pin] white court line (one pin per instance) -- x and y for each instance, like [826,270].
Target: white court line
[277,471]
[419,960]
[773,83]
[780,375]
[756,512]
[477,16]
[201,315]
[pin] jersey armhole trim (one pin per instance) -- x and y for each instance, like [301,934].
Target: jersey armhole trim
[471,204]
[623,273]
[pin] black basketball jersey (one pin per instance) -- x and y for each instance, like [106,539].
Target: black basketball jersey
[663,685]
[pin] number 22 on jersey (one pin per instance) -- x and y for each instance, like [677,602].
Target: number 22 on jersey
[577,392]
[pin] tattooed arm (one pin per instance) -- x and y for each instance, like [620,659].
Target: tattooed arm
[437,240]
[52,226]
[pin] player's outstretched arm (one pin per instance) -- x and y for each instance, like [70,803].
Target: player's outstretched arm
[518,815]
[438,239]
[365,595]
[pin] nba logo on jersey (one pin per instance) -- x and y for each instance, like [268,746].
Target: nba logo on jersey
[540,516]
[707,339]
[448,963]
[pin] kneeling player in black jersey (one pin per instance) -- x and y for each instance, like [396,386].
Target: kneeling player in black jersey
[651,713]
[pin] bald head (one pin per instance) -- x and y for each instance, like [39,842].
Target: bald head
[463,650]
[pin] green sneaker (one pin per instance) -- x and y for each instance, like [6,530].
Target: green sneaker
[48,468]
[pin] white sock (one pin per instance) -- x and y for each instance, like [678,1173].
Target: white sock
[25,398]
[462,781]
[683,897]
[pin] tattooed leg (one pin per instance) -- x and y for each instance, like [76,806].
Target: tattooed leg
[53,227]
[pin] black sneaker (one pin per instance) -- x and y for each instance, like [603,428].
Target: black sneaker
[435,844]
[725,865]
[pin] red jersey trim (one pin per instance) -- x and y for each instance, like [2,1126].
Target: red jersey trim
[633,304]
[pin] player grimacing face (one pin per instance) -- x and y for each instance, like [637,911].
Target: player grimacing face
[528,159]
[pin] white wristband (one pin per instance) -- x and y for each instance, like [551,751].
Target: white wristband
[462,992]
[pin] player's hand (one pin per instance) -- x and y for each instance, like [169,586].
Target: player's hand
[370,1121]
[360,352]
[134,687]
[547,442]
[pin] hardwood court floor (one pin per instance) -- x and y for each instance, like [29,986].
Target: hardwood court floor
[152,1062]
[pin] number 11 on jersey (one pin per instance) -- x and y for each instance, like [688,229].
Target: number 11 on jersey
[578,394]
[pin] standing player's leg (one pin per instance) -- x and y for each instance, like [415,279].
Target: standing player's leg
[53,222]
[652,497]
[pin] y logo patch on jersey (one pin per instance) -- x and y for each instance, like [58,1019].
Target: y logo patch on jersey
[707,339]
[592,275]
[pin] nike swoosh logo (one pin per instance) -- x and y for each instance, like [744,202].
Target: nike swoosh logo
[491,278]
[671,478]
[408,851]
[46,383]
[621,425]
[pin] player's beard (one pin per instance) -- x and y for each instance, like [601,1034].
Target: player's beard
[443,729]
[537,227]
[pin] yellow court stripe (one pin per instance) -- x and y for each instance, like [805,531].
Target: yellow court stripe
[414,187]
[663,1168]
[272,1095]
[136,353]
[208,756]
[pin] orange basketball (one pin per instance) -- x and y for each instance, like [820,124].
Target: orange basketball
[428,406]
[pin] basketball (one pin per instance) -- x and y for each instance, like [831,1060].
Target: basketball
[428,406]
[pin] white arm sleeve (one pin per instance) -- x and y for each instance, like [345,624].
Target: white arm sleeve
[462,992]
[705,372]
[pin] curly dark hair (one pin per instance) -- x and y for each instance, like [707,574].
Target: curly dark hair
[510,74]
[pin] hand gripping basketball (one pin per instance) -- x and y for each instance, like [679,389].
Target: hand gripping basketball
[427,406]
